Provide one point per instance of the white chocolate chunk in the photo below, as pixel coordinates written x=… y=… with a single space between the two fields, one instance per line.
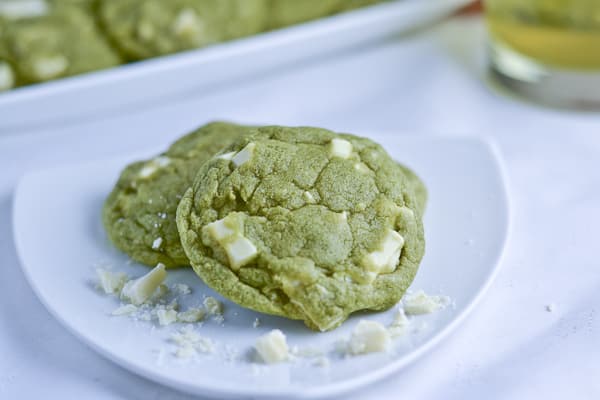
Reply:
x=213 y=306
x=7 y=76
x=162 y=161
x=125 y=309
x=227 y=156
x=421 y=303
x=362 y=168
x=50 y=67
x=191 y=315
x=386 y=258
x=341 y=148
x=272 y=347
x=187 y=23
x=156 y=243
x=138 y=291
x=147 y=170
x=110 y=282
x=181 y=288
x=166 y=316
x=154 y=165
x=159 y=293
x=227 y=232
x=369 y=337
x=244 y=155
x=240 y=252
x=15 y=9
x=308 y=197
x=189 y=342
x=220 y=229
x=399 y=325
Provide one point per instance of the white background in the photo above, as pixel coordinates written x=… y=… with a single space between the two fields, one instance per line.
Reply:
x=429 y=82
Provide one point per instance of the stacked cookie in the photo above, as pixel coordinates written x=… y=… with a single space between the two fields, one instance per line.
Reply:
x=298 y=222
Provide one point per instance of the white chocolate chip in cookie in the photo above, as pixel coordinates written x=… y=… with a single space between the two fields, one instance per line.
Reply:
x=240 y=251
x=386 y=257
x=187 y=24
x=50 y=67
x=340 y=148
x=244 y=155
x=7 y=76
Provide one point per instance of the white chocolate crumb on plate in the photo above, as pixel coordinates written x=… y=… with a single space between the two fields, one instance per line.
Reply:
x=110 y=282
x=125 y=309
x=166 y=316
x=421 y=303
x=368 y=337
x=181 y=289
x=272 y=347
x=138 y=291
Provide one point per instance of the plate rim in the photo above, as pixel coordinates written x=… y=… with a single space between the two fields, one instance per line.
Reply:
x=325 y=389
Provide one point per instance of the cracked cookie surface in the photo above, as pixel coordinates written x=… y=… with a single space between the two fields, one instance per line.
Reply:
x=148 y=28
x=303 y=223
x=139 y=214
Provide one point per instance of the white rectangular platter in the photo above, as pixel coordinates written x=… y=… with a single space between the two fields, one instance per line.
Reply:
x=202 y=70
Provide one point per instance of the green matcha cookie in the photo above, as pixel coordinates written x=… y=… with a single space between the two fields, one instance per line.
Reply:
x=49 y=42
x=303 y=223
x=283 y=13
x=149 y=28
x=139 y=214
x=289 y=12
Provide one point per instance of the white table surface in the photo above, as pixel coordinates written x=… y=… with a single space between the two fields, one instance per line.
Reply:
x=430 y=82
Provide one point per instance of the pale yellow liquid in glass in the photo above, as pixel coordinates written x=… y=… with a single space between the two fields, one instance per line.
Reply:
x=560 y=33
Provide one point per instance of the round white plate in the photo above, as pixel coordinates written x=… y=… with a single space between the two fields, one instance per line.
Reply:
x=59 y=238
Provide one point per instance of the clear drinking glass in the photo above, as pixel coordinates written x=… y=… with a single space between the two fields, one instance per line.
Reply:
x=547 y=50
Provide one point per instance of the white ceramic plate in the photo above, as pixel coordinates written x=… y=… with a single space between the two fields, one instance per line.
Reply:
x=200 y=70
x=59 y=239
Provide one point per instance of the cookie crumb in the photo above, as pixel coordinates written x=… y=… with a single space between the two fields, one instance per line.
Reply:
x=421 y=303
x=181 y=289
x=272 y=347
x=213 y=306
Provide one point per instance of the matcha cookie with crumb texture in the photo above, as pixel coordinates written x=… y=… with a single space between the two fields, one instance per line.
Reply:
x=147 y=28
x=52 y=40
x=139 y=214
x=303 y=223
x=283 y=13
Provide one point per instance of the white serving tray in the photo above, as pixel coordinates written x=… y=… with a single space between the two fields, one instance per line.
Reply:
x=131 y=85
